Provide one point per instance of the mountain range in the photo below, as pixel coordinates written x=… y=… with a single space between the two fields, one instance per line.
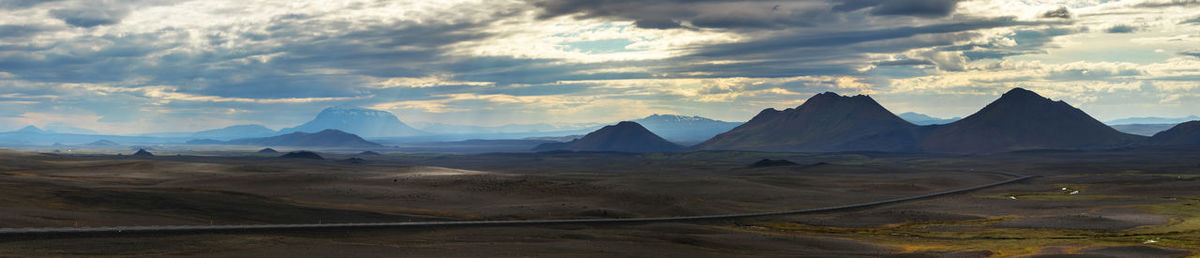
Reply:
x=685 y=129
x=1153 y=120
x=324 y=138
x=1019 y=120
x=1187 y=133
x=359 y=121
x=824 y=123
x=922 y=119
x=625 y=136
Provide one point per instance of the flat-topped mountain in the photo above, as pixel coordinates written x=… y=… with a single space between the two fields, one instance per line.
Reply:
x=360 y=121
x=623 y=137
x=824 y=123
x=1024 y=120
x=1187 y=133
x=325 y=138
x=677 y=128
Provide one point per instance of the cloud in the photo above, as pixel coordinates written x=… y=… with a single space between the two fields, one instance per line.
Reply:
x=1191 y=52
x=92 y=16
x=1121 y=28
x=1191 y=21
x=923 y=8
x=1061 y=13
x=22 y=4
x=1167 y=3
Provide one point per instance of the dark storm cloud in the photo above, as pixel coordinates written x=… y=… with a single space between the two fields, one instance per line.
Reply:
x=1061 y=13
x=1192 y=52
x=850 y=37
x=924 y=8
x=1121 y=28
x=88 y=17
x=760 y=14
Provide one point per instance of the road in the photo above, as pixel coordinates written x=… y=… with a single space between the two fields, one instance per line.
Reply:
x=277 y=227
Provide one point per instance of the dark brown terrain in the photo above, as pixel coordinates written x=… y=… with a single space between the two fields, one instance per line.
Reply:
x=1135 y=202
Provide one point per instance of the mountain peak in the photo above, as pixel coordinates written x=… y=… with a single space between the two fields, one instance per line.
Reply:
x=30 y=129
x=1022 y=94
x=626 y=136
x=357 y=120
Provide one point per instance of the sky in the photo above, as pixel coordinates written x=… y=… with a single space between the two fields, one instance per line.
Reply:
x=136 y=66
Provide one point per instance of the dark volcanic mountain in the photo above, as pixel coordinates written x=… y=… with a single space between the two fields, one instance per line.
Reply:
x=826 y=122
x=326 y=138
x=1183 y=134
x=684 y=129
x=360 y=121
x=1024 y=120
x=622 y=137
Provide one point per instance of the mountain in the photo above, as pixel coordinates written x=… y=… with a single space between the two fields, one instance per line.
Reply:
x=30 y=129
x=1152 y=120
x=1187 y=133
x=623 y=137
x=826 y=122
x=102 y=143
x=1142 y=129
x=325 y=138
x=683 y=129
x=1024 y=120
x=235 y=132
x=58 y=127
x=922 y=119
x=359 y=121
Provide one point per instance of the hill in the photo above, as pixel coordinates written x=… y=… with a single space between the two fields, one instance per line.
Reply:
x=1187 y=133
x=326 y=138
x=235 y=132
x=685 y=129
x=826 y=122
x=623 y=137
x=360 y=121
x=922 y=119
x=1023 y=120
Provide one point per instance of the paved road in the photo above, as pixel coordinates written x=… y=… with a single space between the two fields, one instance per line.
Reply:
x=269 y=227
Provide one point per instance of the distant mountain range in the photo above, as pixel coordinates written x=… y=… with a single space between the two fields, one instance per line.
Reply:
x=440 y=128
x=1152 y=120
x=826 y=122
x=685 y=129
x=622 y=137
x=922 y=119
x=324 y=138
x=1142 y=129
x=235 y=132
x=360 y=121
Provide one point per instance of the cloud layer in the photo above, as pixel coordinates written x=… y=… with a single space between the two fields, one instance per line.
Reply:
x=127 y=66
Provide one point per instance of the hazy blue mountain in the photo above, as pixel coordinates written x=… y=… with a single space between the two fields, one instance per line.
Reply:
x=103 y=143
x=235 y=132
x=1142 y=129
x=30 y=129
x=1024 y=120
x=826 y=122
x=1187 y=133
x=65 y=128
x=1152 y=120
x=623 y=137
x=324 y=138
x=360 y=121
x=499 y=131
x=685 y=129
x=922 y=119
